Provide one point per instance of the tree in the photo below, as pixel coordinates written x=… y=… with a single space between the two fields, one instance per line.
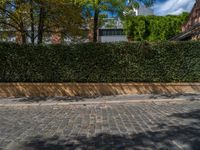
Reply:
x=32 y=21
x=35 y=18
x=65 y=17
x=42 y=18
x=97 y=8
x=12 y=16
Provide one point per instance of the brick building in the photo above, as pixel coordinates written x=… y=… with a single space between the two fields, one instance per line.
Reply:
x=191 y=29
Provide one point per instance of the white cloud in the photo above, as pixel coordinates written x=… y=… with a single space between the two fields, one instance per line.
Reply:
x=173 y=7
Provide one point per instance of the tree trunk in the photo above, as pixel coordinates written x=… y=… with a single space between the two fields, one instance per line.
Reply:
x=22 y=29
x=96 y=22
x=23 y=34
x=41 y=23
x=32 y=23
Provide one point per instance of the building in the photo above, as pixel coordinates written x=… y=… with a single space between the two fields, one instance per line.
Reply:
x=191 y=29
x=144 y=11
x=112 y=29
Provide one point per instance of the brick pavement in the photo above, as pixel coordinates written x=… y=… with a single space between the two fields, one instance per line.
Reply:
x=140 y=126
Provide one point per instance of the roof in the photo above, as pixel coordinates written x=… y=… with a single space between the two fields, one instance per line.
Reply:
x=193 y=9
x=112 y=23
x=189 y=33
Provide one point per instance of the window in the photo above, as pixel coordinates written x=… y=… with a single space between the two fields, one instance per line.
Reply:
x=111 y=32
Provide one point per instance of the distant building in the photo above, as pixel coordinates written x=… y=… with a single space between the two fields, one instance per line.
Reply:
x=191 y=29
x=144 y=11
x=113 y=31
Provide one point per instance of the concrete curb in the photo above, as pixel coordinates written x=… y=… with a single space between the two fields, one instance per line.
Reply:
x=93 y=102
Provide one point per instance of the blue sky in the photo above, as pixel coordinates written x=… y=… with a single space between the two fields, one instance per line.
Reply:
x=174 y=7
x=170 y=7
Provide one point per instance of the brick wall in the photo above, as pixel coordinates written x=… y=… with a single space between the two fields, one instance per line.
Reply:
x=194 y=17
x=94 y=89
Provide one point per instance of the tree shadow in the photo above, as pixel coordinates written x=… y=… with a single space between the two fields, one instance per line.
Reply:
x=165 y=137
x=37 y=99
x=54 y=99
x=93 y=89
x=186 y=96
x=195 y=114
x=188 y=137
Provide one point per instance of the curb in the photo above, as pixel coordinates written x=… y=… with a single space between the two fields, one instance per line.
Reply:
x=93 y=102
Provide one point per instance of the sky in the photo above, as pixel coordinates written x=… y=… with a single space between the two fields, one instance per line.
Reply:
x=173 y=7
x=170 y=7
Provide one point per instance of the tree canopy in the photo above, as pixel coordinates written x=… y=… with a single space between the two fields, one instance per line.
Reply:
x=35 y=18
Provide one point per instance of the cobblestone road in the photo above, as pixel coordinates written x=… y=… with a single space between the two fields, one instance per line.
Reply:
x=139 y=126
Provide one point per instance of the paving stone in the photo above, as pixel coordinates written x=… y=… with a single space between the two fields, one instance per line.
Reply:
x=128 y=126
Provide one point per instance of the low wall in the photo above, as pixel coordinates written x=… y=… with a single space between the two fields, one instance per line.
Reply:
x=94 y=89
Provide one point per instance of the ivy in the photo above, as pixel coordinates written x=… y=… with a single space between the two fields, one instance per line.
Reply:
x=153 y=28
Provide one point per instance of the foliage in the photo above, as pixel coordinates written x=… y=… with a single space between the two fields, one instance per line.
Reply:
x=153 y=28
x=109 y=62
x=96 y=9
x=35 y=18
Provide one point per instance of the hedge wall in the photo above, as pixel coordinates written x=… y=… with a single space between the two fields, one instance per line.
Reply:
x=119 y=62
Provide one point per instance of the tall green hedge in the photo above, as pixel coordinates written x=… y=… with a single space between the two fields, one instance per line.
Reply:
x=119 y=62
x=154 y=28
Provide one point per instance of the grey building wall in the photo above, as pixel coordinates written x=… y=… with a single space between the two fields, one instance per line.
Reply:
x=145 y=11
x=116 y=38
x=116 y=24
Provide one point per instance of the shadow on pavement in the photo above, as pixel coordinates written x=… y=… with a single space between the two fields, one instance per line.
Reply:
x=190 y=97
x=167 y=137
x=190 y=115
x=186 y=96
x=51 y=99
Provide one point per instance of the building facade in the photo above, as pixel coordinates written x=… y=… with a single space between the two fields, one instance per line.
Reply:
x=191 y=29
x=113 y=31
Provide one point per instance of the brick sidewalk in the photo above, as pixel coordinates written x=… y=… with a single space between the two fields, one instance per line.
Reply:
x=140 y=126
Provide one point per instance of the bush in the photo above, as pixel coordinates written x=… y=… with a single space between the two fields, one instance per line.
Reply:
x=110 y=62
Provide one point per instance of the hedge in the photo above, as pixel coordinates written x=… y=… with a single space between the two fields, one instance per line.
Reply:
x=108 y=62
